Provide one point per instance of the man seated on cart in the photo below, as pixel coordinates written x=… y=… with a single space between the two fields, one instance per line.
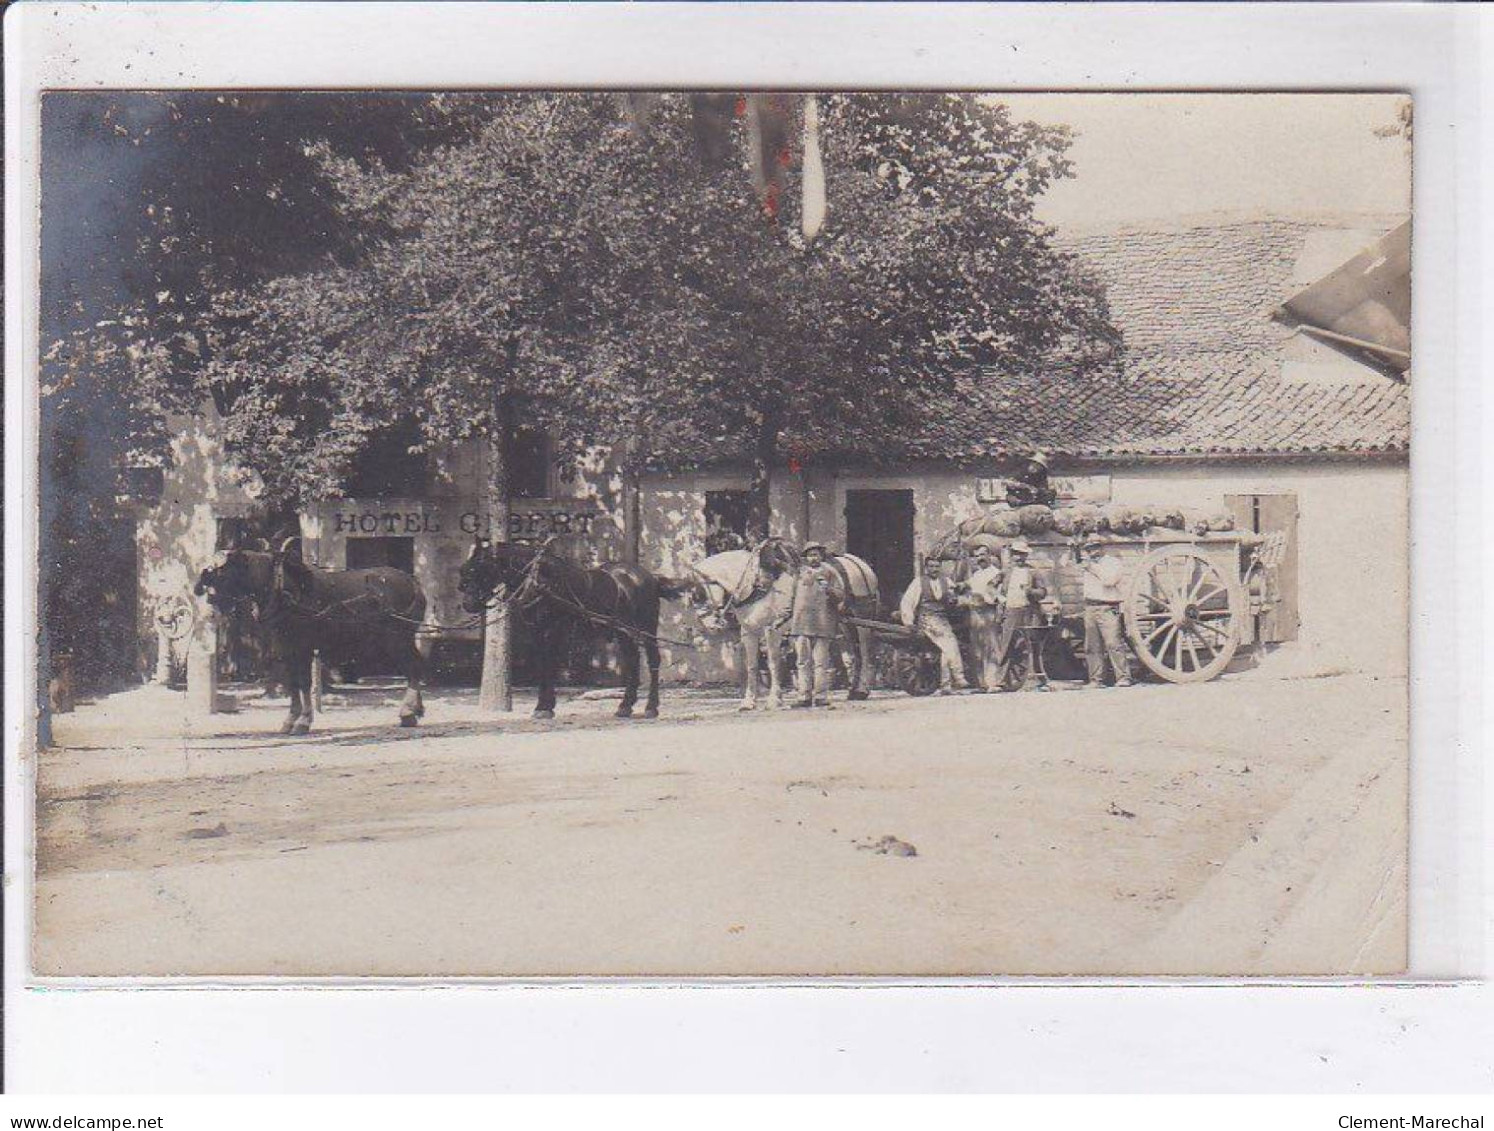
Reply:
x=1030 y=485
x=925 y=606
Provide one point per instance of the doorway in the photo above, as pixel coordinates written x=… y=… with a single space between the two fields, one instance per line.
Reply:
x=879 y=528
x=367 y=553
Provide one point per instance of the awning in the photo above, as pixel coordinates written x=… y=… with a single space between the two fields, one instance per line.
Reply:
x=1362 y=308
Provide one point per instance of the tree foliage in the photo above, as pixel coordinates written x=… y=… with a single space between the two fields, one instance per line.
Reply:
x=612 y=270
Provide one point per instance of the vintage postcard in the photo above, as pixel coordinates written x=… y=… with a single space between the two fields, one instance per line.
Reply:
x=758 y=533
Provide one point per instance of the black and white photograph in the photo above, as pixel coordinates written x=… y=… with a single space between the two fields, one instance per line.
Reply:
x=763 y=532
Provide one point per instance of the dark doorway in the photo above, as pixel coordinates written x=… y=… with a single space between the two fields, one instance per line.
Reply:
x=366 y=553
x=879 y=528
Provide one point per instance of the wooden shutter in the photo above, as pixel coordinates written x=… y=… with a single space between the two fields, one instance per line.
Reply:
x=1266 y=514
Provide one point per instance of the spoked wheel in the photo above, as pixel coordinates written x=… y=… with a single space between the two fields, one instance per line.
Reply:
x=915 y=671
x=1184 y=614
x=1019 y=664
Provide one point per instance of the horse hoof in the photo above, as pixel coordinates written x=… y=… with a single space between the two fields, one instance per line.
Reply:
x=288 y=726
x=538 y=714
x=857 y=696
x=301 y=728
x=651 y=713
x=408 y=720
x=746 y=705
x=625 y=712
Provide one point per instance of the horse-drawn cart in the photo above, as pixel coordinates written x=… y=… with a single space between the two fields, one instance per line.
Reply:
x=1191 y=599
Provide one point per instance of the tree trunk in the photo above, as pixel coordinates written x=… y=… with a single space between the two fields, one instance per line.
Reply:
x=759 y=497
x=496 y=692
x=632 y=507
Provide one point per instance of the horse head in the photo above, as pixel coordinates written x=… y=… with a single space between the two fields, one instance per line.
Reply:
x=775 y=557
x=235 y=579
x=489 y=568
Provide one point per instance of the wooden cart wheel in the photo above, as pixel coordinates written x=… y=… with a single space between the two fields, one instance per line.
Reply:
x=1019 y=665
x=913 y=672
x=1184 y=614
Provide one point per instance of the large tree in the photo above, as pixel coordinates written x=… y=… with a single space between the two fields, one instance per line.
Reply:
x=153 y=204
x=633 y=272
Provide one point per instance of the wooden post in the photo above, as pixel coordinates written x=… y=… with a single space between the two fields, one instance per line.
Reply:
x=496 y=692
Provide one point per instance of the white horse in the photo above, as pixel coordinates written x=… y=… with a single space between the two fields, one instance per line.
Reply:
x=736 y=585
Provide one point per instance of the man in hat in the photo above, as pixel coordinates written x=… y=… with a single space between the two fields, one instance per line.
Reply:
x=1103 y=573
x=1030 y=485
x=983 y=594
x=925 y=605
x=814 y=623
x=1022 y=594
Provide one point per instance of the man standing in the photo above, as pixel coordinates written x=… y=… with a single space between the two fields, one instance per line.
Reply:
x=814 y=623
x=1021 y=599
x=984 y=595
x=1030 y=486
x=925 y=605
x=1103 y=573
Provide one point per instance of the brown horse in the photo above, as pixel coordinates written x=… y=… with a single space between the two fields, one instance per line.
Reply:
x=339 y=613
x=548 y=591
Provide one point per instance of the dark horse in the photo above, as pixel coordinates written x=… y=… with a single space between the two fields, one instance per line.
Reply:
x=548 y=590
x=303 y=609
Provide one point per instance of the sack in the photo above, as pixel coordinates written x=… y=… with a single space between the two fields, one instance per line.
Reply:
x=1003 y=524
x=1086 y=518
x=1063 y=522
x=1035 y=519
x=1122 y=519
x=989 y=541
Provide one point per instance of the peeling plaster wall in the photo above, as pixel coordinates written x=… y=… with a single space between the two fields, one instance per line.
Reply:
x=176 y=539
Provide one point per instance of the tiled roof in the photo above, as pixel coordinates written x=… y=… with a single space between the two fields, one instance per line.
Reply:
x=1203 y=370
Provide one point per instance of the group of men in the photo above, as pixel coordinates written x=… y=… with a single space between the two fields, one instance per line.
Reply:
x=1003 y=603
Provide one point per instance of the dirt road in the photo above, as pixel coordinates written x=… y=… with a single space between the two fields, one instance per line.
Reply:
x=1243 y=826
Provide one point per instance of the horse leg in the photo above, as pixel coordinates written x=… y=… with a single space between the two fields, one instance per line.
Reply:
x=774 y=638
x=861 y=663
x=287 y=666
x=750 y=639
x=413 y=705
x=545 y=648
x=301 y=680
x=629 y=654
x=651 y=654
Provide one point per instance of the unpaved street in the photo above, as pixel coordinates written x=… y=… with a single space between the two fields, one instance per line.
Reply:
x=1242 y=826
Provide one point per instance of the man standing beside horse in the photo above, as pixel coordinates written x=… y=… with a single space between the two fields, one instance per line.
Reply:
x=814 y=624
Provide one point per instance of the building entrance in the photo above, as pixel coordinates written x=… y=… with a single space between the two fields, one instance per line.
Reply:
x=879 y=528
